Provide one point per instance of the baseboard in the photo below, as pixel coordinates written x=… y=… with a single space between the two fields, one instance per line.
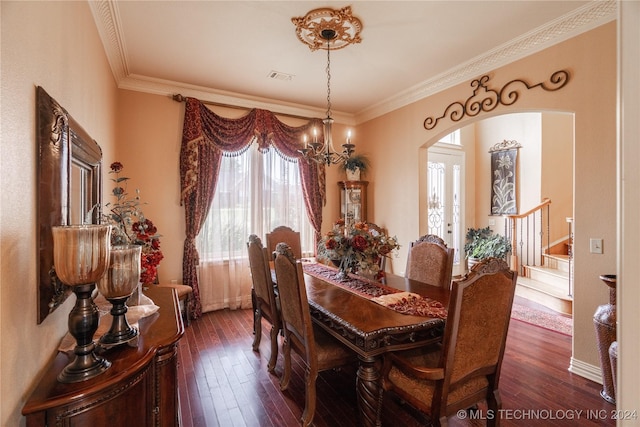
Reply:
x=586 y=370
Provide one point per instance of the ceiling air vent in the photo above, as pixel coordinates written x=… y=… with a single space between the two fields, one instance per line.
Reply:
x=277 y=75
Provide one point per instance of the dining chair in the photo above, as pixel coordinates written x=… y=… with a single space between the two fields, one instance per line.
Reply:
x=376 y=230
x=464 y=369
x=430 y=261
x=286 y=235
x=264 y=298
x=318 y=350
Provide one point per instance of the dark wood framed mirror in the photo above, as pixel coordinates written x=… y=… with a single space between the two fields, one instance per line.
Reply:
x=69 y=186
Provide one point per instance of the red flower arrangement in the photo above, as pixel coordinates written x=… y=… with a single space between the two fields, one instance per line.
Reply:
x=131 y=227
x=356 y=249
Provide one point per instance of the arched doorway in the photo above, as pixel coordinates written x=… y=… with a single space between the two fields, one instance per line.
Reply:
x=545 y=169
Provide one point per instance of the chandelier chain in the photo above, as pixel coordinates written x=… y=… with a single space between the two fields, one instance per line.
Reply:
x=328 y=78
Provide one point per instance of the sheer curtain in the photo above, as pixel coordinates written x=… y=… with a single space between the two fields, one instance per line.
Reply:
x=256 y=192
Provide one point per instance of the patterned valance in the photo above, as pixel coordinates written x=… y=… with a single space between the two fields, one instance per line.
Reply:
x=206 y=138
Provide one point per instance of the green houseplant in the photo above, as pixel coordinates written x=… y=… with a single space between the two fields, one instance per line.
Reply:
x=356 y=164
x=483 y=243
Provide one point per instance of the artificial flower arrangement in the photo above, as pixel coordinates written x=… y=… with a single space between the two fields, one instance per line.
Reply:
x=131 y=227
x=356 y=249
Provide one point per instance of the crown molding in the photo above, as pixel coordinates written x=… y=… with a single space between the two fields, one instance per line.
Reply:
x=169 y=88
x=591 y=15
x=107 y=18
x=586 y=18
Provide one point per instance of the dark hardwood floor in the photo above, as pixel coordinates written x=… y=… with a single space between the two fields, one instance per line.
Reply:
x=223 y=382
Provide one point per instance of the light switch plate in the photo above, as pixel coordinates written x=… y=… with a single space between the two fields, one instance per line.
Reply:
x=595 y=246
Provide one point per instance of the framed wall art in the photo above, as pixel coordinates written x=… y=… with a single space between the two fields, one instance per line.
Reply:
x=504 y=156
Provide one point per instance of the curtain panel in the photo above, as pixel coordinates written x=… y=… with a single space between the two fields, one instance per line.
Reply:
x=206 y=137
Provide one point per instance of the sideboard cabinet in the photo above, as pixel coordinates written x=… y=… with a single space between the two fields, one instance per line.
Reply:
x=353 y=201
x=139 y=389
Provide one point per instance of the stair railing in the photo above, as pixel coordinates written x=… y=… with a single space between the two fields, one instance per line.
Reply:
x=526 y=232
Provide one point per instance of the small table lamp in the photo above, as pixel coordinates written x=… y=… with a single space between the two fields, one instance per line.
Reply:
x=81 y=258
x=116 y=286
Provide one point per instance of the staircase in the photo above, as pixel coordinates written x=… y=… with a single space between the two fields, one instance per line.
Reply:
x=544 y=268
x=548 y=284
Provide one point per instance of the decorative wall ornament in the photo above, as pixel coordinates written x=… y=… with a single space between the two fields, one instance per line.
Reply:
x=505 y=145
x=346 y=27
x=504 y=156
x=485 y=99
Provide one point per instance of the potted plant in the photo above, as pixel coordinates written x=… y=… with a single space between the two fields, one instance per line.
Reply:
x=482 y=243
x=354 y=165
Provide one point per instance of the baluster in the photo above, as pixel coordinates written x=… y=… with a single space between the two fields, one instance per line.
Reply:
x=522 y=241
x=530 y=238
x=529 y=233
x=535 y=257
x=548 y=228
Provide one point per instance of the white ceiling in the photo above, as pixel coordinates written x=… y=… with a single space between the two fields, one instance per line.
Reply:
x=223 y=51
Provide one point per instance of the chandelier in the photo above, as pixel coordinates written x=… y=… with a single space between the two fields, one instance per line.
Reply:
x=338 y=28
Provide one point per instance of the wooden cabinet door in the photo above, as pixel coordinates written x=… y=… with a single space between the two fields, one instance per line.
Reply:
x=167 y=406
x=128 y=404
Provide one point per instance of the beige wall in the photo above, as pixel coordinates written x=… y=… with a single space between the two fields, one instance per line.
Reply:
x=394 y=141
x=54 y=45
x=149 y=136
x=557 y=170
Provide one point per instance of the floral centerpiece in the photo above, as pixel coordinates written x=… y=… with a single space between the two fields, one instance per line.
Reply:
x=356 y=249
x=131 y=227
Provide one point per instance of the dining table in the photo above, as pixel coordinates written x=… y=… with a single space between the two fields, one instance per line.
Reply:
x=347 y=309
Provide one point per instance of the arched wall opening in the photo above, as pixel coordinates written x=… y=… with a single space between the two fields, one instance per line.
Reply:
x=544 y=170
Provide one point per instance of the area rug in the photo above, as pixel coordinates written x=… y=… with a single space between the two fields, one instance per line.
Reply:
x=551 y=321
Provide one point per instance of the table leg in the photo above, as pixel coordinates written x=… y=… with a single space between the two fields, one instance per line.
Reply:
x=369 y=392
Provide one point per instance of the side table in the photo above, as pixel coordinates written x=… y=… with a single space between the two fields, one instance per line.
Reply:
x=140 y=388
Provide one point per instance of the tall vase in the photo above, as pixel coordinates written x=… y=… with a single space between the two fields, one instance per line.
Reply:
x=604 y=321
x=81 y=257
x=121 y=278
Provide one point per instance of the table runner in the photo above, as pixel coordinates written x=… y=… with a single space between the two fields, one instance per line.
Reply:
x=395 y=299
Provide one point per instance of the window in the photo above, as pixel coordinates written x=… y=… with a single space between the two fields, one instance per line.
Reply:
x=452 y=138
x=255 y=193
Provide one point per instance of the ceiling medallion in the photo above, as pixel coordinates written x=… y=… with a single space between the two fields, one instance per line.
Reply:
x=346 y=27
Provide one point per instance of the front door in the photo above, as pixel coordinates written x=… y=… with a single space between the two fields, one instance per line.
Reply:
x=445 y=183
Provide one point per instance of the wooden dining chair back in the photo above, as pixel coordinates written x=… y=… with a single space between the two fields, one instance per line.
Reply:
x=376 y=230
x=465 y=368
x=430 y=261
x=265 y=300
x=286 y=235
x=319 y=350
